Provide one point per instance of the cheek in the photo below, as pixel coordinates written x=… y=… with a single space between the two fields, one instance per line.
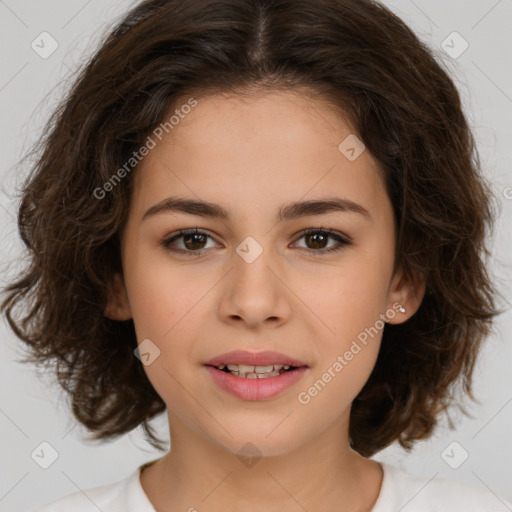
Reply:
x=349 y=333
x=350 y=300
x=168 y=316
x=163 y=303
x=332 y=389
x=347 y=340
x=164 y=296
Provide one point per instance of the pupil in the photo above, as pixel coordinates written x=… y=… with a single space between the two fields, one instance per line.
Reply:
x=316 y=243
x=194 y=237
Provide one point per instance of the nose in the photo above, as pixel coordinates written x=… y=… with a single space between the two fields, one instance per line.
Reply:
x=255 y=291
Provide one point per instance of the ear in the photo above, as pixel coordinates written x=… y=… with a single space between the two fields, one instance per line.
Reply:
x=406 y=293
x=118 y=307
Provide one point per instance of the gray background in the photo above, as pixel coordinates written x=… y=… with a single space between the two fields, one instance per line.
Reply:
x=33 y=411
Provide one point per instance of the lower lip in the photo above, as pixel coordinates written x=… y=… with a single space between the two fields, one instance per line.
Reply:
x=255 y=389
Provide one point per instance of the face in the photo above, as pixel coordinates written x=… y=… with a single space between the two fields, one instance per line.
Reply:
x=254 y=281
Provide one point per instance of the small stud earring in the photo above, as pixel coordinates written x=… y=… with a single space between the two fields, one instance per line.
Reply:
x=402 y=309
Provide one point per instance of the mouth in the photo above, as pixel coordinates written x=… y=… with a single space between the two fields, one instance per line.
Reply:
x=255 y=375
x=255 y=365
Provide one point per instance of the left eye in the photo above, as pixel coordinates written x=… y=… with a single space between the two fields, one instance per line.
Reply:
x=319 y=236
x=194 y=240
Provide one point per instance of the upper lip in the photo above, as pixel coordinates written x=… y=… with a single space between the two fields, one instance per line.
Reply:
x=254 y=359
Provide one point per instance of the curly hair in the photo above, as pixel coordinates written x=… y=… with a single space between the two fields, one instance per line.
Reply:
x=404 y=107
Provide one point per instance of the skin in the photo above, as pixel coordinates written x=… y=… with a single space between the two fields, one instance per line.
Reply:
x=252 y=154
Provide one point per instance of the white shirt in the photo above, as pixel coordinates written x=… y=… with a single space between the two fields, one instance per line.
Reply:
x=399 y=492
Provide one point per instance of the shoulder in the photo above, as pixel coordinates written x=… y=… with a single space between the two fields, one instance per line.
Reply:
x=125 y=495
x=408 y=493
x=108 y=498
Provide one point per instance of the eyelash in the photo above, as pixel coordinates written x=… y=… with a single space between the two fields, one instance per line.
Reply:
x=316 y=252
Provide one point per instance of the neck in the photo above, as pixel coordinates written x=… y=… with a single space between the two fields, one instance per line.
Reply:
x=324 y=474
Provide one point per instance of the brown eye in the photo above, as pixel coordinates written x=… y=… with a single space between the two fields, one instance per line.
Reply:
x=192 y=241
x=195 y=241
x=317 y=241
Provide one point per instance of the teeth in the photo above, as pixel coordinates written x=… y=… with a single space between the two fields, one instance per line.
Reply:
x=255 y=372
x=244 y=368
x=254 y=375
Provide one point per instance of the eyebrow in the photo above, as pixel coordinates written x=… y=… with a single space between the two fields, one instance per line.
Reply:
x=287 y=212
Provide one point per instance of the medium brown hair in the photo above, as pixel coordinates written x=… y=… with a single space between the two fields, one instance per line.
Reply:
x=405 y=109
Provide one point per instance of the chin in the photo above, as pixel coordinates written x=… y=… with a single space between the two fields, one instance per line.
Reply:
x=255 y=441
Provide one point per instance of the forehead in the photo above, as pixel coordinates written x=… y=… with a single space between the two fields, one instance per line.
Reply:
x=260 y=118
x=252 y=151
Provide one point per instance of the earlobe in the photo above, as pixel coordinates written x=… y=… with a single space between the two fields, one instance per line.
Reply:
x=405 y=297
x=118 y=307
